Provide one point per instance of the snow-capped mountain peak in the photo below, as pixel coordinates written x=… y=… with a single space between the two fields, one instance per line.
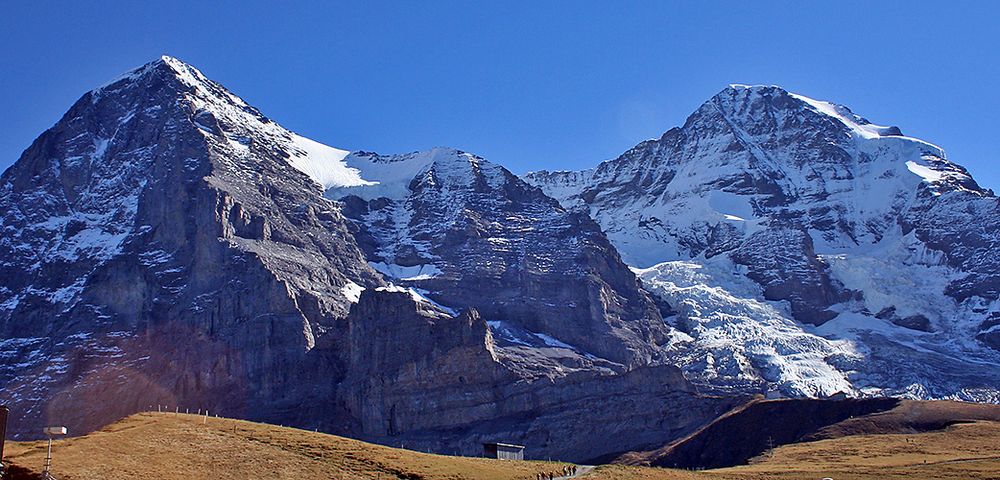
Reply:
x=222 y=115
x=161 y=69
x=837 y=112
x=810 y=201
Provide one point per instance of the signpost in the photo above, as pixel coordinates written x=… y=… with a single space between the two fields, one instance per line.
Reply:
x=50 y=432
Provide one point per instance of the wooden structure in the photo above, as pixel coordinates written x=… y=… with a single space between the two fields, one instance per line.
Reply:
x=503 y=451
x=4 y=413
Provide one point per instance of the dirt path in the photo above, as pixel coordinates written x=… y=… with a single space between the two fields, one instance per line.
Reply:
x=581 y=470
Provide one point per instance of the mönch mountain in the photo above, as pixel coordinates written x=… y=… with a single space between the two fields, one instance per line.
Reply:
x=165 y=243
x=805 y=250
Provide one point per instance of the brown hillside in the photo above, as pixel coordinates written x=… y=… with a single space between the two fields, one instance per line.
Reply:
x=182 y=447
x=911 y=416
x=154 y=446
x=966 y=451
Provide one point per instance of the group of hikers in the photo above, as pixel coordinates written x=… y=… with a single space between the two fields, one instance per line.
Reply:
x=567 y=471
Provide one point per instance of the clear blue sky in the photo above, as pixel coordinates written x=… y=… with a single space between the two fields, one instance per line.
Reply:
x=561 y=85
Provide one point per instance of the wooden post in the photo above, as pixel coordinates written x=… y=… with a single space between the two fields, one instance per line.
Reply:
x=47 y=466
x=4 y=413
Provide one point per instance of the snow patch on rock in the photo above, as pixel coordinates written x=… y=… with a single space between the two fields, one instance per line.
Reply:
x=324 y=164
x=406 y=273
x=352 y=291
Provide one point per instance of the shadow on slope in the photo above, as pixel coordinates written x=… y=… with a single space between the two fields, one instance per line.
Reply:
x=760 y=425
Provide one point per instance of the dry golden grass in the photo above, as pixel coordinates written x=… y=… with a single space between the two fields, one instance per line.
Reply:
x=169 y=447
x=181 y=447
x=964 y=451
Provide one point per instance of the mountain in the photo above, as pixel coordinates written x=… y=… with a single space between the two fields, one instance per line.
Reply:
x=473 y=235
x=164 y=243
x=159 y=247
x=801 y=248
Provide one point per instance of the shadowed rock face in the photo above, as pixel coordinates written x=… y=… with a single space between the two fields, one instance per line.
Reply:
x=783 y=261
x=166 y=244
x=423 y=378
x=406 y=354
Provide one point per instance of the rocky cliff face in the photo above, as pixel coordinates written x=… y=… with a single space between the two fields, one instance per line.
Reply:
x=166 y=244
x=428 y=379
x=158 y=248
x=473 y=235
x=874 y=237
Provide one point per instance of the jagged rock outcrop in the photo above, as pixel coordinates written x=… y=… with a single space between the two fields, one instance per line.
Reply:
x=407 y=354
x=784 y=262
